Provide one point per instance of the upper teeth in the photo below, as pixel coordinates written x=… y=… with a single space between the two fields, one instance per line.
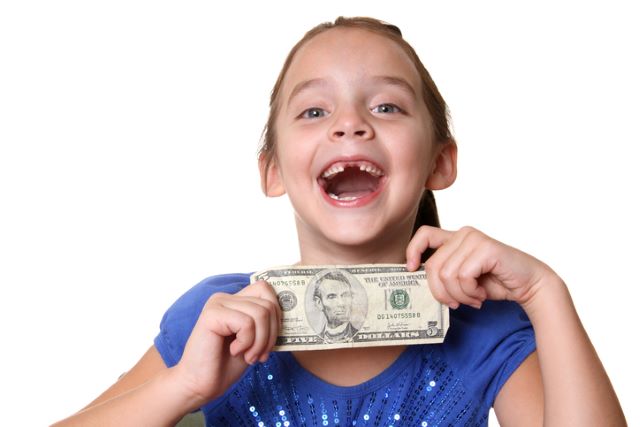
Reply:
x=333 y=170
x=371 y=169
x=336 y=169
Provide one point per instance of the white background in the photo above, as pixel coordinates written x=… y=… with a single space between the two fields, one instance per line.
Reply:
x=128 y=138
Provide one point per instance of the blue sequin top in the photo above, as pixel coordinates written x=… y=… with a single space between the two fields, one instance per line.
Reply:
x=453 y=383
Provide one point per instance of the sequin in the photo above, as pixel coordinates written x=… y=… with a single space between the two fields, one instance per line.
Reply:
x=408 y=398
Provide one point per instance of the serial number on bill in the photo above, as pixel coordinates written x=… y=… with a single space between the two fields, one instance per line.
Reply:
x=402 y=315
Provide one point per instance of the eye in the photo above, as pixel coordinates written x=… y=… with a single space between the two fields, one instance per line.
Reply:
x=313 y=113
x=386 y=108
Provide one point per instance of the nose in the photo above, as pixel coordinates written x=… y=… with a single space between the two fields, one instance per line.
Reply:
x=350 y=124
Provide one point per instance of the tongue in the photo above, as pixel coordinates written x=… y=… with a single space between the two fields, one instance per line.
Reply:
x=352 y=183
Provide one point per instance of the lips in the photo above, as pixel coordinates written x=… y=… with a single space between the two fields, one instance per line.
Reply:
x=351 y=182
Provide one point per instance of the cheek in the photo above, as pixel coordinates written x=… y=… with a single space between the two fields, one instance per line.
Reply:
x=412 y=150
x=423 y=142
x=287 y=160
x=295 y=149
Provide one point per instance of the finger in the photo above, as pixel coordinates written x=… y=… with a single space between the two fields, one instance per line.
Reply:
x=276 y=321
x=274 y=330
x=482 y=264
x=454 y=288
x=271 y=326
x=462 y=283
x=226 y=322
x=263 y=290
x=473 y=290
x=466 y=291
x=425 y=237
x=266 y=291
x=439 y=292
x=434 y=266
x=470 y=274
x=261 y=312
x=450 y=246
x=438 y=286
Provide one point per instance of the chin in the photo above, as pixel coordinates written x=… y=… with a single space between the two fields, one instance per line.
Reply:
x=354 y=236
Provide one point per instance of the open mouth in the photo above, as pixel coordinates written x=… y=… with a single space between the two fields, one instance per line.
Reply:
x=350 y=181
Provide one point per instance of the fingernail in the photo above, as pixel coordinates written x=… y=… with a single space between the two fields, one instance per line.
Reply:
x=454 y=305
x=477 y=305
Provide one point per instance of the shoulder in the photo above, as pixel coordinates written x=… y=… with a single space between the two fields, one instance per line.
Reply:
x=494 y=318
x=486 y=346
x=198 y=295
x=180 y=318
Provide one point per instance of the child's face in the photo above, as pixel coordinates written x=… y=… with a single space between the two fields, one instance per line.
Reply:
x=354 y=139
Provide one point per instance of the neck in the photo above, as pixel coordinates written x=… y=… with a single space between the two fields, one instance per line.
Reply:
x=314 y=251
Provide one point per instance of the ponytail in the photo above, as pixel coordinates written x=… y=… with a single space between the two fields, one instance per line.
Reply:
x=427 y=215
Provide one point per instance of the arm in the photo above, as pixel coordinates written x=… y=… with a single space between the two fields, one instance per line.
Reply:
x=564 y=383
x=150 y=365
x=520 y=402
x=232 y=332
x=575 y=385
x=146 y=395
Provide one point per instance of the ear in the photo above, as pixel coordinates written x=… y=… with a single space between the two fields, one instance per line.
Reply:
x=270 y=177
x=445 y=168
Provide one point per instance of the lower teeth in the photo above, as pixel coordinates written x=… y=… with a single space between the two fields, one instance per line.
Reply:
x=342 y=199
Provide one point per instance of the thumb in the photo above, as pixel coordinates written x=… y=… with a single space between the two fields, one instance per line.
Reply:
x=259 y=289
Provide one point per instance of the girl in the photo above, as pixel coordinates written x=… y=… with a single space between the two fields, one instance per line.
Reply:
x=358 y=137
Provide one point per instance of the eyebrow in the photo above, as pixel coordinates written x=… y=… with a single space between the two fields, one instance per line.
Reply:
x=396 y=81
x=386 y=80
x=304 y=85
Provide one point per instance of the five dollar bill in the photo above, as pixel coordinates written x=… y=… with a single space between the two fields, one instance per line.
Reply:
x=367 y=305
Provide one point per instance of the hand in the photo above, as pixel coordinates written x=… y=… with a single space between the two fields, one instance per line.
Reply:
x=469 y=267
x=232 y=332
